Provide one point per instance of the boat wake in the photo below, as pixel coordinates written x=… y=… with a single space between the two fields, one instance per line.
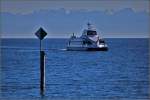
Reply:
x=55 y=49
x=31 y=49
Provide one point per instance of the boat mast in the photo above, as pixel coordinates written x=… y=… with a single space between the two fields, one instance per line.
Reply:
x=89 y=25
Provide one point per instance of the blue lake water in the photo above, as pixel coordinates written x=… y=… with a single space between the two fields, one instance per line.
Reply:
x=120 y=73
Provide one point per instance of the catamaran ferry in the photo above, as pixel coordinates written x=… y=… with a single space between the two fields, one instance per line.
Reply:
x=88 y=41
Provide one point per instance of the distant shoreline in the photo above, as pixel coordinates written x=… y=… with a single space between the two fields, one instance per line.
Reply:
x=104 y=38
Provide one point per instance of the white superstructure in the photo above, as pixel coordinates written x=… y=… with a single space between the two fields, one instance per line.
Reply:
x=89 y=40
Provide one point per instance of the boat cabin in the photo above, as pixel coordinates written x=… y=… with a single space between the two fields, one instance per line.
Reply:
x=89 y=32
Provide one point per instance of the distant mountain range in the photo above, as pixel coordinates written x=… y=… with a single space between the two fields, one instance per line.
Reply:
x=62 y=23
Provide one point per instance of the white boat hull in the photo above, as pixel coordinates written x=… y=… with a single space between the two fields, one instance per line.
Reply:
x=87 y=49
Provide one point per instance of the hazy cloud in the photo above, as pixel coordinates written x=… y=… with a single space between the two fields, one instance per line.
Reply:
x=110 y=6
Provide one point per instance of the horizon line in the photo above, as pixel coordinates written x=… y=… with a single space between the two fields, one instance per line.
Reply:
x=60 y=37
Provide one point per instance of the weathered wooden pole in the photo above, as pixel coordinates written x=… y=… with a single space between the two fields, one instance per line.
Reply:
x=41 y=34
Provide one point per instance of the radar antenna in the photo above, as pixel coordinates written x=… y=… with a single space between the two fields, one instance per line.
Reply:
x=89 y=25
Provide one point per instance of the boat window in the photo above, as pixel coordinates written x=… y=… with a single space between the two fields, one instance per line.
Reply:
x=91 y=33
x=87 y=42
x=84 y=42
x=101 y=41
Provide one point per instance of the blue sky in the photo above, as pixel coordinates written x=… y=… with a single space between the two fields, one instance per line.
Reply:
x=60 y=18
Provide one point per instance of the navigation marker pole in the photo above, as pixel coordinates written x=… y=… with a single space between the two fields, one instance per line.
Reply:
x=41 y=34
